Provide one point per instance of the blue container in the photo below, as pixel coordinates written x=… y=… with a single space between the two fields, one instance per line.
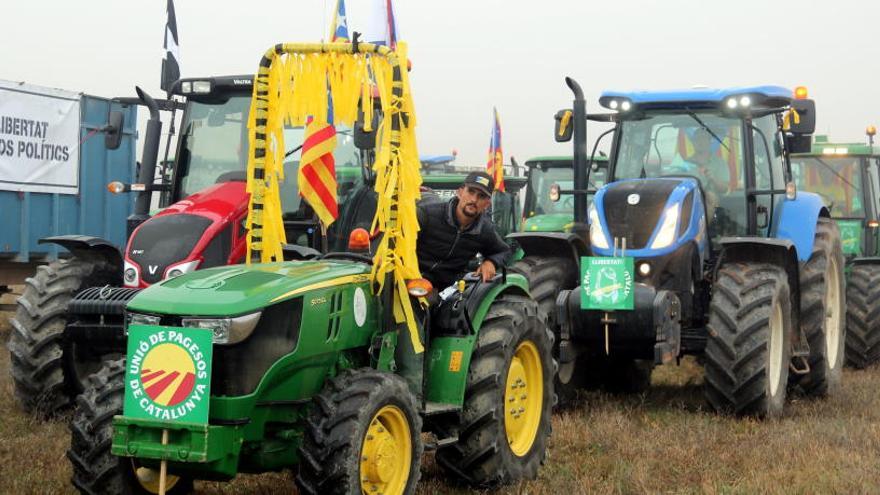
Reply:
x=27 y=217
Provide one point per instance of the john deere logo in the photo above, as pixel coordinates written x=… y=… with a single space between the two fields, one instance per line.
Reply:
x=606 y=283
x=168 y=373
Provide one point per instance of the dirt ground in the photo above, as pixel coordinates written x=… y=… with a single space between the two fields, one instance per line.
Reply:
x=662 y=441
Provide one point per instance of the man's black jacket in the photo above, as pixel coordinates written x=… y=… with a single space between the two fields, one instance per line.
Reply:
x=444 y=250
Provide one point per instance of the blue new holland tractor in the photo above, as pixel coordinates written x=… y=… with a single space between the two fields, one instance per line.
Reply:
x=701 y=244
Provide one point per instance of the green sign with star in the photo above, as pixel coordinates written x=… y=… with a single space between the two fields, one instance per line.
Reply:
x=606 y=283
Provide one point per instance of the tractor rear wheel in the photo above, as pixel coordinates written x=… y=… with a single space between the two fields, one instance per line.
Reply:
x=863 y=316
x=748 y=348
x=95 y=469
x=547 y=276
x=823 y=312
x=363 y=436
x=47 y=374
x=505 y=421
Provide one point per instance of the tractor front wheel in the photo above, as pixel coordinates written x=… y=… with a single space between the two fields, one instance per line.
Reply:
x=505 y=421
x=748 y=348
x=823 y=312
x=363 y=436
x=863 y=316
x=95 y=469
x=46 y=373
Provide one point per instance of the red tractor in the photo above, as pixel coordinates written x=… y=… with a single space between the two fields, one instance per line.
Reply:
x=71 y=315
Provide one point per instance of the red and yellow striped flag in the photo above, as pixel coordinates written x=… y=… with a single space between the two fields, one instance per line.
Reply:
x=317 y=171
x=494 y=165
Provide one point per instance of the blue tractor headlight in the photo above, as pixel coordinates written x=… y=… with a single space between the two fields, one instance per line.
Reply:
x=597 y=235
x=668 y=227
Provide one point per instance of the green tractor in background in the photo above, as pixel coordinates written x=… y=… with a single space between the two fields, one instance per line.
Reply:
x=846 y=176
x=298 y=365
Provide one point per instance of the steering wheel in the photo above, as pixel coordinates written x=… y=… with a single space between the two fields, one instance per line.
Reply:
x=345 y=255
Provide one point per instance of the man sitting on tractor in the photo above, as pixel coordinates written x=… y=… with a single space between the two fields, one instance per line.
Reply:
x=453 y=232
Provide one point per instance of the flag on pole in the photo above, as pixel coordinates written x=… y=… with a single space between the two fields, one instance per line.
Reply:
x=339 y=27
x=317 y=171
x=494 y=165
x=382 y=29
x=171 y=62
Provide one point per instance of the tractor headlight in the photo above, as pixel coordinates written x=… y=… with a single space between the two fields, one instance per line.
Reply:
x=140 y=319
x=226 y=330
x=130 y=275
x=181 y=268
x=668 y=228
x=597 y=236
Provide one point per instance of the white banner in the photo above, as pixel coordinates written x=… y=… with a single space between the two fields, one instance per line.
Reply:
x=39 y=139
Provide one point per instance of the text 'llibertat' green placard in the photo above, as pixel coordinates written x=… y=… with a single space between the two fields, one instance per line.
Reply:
x=168 y=373
x=606 y=283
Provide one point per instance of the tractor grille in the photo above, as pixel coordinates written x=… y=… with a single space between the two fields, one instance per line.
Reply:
x=105 y=300
x=636 y=222
x=164 y=240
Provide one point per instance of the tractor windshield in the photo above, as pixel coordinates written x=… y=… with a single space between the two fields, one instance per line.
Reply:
x=836 y=179
x=215 y=149
x=541 y=178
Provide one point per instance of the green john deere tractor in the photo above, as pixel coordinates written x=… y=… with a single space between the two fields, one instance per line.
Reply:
x=298 y=365
x=846 y=176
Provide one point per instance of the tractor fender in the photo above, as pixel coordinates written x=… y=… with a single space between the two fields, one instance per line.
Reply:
x=88 y=248
x=558 y=244
x=796 y=221
x=450 y=355
x=780 y=252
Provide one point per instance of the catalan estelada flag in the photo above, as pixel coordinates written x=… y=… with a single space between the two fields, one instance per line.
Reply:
x=339 y=27
x=494 y=165
x=317 y=171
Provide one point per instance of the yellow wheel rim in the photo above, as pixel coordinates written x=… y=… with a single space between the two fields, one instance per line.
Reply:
x=386 y=455
x=523 y=398
x=149 y=478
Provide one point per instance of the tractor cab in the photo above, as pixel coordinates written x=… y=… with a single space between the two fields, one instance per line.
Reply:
x=545 y=210
x=205 y=200
x=730 y=144
x=845 y=175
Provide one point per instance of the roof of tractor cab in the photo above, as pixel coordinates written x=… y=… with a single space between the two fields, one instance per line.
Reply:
x=695 y=98
x=220 y=86
x=822 y=146
x=559 y=160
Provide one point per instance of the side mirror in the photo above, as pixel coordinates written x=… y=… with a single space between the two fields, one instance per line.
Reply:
x=563 y=129
x=113 y=130
x=799 y=143
x=805 y=120
x=364 y=140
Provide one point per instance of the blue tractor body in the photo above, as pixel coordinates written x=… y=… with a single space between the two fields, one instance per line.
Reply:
x=700 y=195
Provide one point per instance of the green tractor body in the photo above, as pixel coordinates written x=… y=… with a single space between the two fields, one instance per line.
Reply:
x=540 y=212
x=302 y=365
x=846 y=176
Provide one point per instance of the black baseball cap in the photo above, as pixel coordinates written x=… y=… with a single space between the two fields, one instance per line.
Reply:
x=481 y=181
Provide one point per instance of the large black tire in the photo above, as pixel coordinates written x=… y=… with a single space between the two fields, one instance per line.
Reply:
x=823 y=312
x=46 y=375
x=863 y=316
x=353 y=409
x=498 y=442
x=748 y=349
x=95 y=470
x=547 y=276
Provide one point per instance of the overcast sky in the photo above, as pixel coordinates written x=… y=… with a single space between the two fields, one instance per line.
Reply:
x=470 y=55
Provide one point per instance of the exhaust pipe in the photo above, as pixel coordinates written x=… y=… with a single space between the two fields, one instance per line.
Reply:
x=148 y=161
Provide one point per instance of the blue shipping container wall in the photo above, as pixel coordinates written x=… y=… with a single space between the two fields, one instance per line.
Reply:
x=26 y=217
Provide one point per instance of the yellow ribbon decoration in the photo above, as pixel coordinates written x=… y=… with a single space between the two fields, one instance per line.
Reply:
x=792 y=114
x=291 y=86
x=563 y=122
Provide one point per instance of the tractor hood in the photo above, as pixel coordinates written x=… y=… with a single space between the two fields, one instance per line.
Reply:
x=549 y=222
x=240 y=289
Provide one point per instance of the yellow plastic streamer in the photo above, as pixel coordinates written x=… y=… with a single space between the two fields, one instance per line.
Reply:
x=290 y=87
x=791 y=115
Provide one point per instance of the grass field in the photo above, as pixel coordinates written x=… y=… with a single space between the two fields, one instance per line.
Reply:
x=664 y=441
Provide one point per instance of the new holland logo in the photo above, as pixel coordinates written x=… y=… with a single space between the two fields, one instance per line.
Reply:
x=168 y=373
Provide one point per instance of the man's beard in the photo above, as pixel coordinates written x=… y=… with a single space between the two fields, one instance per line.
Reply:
x=469 y=213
